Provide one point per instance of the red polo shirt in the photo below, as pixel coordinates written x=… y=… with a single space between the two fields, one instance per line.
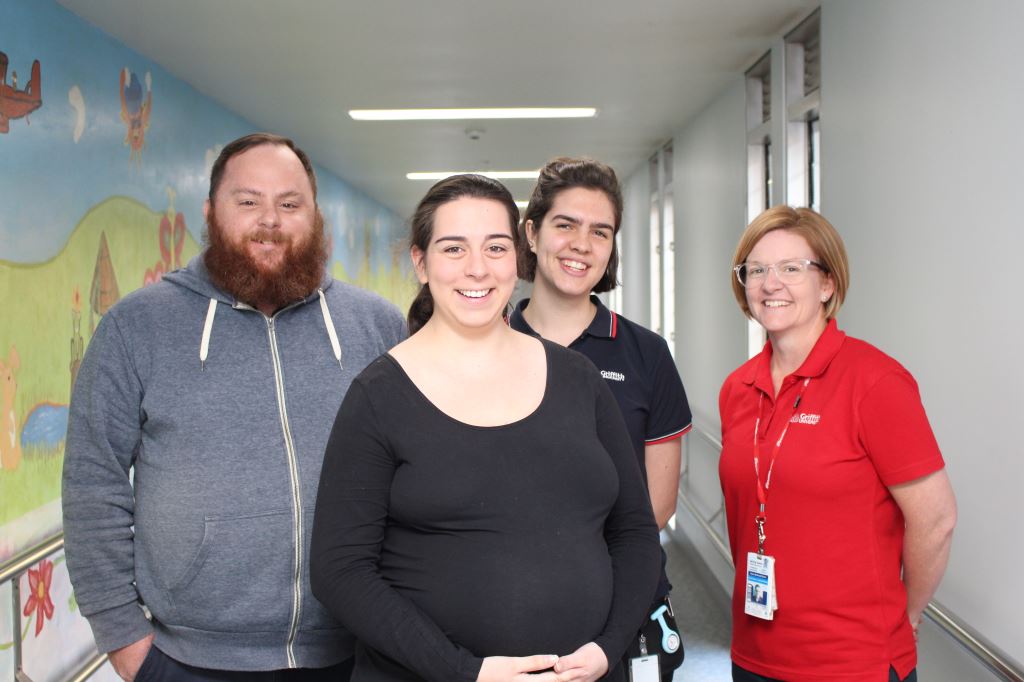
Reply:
x=835 y=531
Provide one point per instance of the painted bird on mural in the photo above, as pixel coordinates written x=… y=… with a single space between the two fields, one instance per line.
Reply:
x=135 y=110
x=15 y=103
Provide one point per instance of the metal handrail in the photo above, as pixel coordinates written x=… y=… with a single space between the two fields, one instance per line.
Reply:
x=987 y=653
x=712 y=534
x=16 y=565
x=705 y=523
x=12 y=570
x=708 y=437
x=974 y=643
x=90 y=668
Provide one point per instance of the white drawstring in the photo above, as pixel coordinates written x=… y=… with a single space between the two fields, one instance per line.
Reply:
x=204 y=346
x=330 y=327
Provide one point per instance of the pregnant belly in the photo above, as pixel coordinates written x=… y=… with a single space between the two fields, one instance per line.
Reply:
x=518 y=599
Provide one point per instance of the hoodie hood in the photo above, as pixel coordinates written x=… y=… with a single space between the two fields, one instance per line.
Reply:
x=195 y=277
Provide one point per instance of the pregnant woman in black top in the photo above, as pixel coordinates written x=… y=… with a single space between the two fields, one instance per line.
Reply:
x=481 y=514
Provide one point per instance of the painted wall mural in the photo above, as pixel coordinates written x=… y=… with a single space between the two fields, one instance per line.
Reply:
x=104 y=165
x=135 y=110
x=16 y=103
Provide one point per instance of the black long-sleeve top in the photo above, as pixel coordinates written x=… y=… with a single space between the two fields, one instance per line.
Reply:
x=439 y=543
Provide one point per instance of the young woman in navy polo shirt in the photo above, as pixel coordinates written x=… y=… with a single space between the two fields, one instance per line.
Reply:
x=839 y=509
x=568 y=251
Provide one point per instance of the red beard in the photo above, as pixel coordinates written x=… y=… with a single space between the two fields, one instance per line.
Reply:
x=234 y=270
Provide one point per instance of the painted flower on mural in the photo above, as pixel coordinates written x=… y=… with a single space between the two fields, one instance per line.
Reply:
x=39 y=601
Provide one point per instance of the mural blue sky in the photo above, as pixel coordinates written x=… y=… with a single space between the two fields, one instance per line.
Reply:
x=49 y=160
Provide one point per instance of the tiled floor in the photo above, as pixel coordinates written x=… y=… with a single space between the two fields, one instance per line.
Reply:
x=702 y=612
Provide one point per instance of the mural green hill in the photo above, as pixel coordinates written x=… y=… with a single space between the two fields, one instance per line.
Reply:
x=116 y=245
x=41 y=301
x=39 y=298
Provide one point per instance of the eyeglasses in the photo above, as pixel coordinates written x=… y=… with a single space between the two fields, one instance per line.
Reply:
x=792 y=271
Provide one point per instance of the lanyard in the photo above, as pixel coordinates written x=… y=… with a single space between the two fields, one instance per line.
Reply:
x=762 y=490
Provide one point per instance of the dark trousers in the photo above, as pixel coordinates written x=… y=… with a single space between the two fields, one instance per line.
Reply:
x=159 y=667
x=741 y=675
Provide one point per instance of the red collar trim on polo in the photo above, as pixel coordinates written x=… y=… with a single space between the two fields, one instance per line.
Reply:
x=825 y=348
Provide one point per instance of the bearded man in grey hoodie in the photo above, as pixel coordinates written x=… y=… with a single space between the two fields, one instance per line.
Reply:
x=218 y=386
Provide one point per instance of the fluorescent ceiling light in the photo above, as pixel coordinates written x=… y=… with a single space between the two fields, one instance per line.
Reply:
x=522 y=204
x=497 y=175
x=474 y=114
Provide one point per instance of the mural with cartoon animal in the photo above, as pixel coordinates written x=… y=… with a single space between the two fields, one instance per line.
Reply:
x=135 y=110
x=95 y=230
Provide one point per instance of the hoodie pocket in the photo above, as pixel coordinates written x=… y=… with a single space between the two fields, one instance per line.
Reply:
x=242 y=576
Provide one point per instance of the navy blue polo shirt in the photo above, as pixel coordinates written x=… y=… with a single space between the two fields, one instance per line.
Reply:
x=638 y=367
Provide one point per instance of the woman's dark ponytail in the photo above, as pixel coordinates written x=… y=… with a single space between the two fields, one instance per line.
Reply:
x=420 y=310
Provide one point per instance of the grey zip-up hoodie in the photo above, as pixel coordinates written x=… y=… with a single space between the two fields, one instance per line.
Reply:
x=224 y=414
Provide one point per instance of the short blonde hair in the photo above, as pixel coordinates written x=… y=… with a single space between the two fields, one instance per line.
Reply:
x=823 y=239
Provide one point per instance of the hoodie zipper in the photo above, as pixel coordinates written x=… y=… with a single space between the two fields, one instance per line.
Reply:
x=293 y=473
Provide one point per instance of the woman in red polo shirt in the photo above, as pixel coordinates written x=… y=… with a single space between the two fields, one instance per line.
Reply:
x=839 y=509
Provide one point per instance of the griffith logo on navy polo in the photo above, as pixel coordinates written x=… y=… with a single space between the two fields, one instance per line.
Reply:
x=613 y=376
x=805 y=418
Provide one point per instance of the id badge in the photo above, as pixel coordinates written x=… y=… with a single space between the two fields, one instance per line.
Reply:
x=760 y=599
x=644 y=669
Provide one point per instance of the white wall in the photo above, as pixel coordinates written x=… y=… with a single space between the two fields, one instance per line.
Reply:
x=710 y=190
x=710 y=193
x=921 y=171
x=711 y=333
x=922 y=104
x=635 y=246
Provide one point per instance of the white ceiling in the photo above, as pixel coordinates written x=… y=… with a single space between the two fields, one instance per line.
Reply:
x=297 y=67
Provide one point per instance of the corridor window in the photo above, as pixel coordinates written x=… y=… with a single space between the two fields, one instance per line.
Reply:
x=759 y=160
x=814 y=163
x=663 y=270
x=759 y=142
x=614 y=301
x=655 y=253
x=784 y=129
x=668 y=271
x=803 y=100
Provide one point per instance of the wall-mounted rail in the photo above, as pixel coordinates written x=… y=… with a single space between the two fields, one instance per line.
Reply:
x=11 y=571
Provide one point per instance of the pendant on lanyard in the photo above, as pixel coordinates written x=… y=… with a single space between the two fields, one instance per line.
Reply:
x=762 y=490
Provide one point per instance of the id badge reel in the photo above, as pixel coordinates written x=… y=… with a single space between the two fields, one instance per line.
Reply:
x=644 y=668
